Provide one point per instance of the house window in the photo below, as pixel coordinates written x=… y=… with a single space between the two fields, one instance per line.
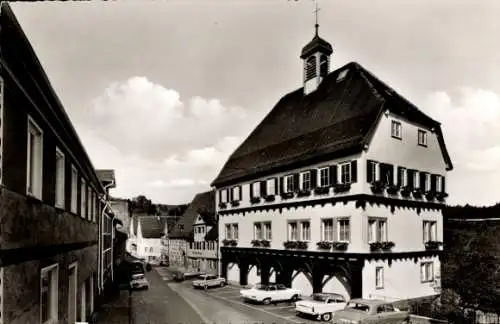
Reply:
x=305 y=231
x=305 y=180
x=293 y=233
x=235 y=231
x=310 y=67
x=416 y=179
x=429 y=230
x=35 y=160
x=426 y=272
x=83 y=201
x=342 y=74
x=59 y=192
x=402 y=177
x=345 y=172
x=74 y=190
x=327 y=229
x=422 y=137
x=439 y=183
x=377 y=230
x=373 y=172
x=271 y=187
x=257 y=231
x=323 y=66
x=396 y=129
x=267 y=231
x=223 y=196
x=379 y=278
x=289 y=183
x=89 y=203
x=236 y=194
x=231 y=231
x=344 y=233
x=49 y=294
x=96 y=206
x=427 y=181
x=324 y=177
x=256 y=189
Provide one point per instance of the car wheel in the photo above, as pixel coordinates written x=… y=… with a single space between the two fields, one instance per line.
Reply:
x=266 y=301
x=295 y=298
x=222 y=284
x=407 y=321
x=205 y=287
x=327 y=317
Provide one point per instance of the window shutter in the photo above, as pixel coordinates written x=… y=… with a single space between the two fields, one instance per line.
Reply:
x=333 y=175
x=422 y=180
x=314 y=178
x=230 y=194
x=282 y=185
x=434 y=179
x=263 y=188
x=220 y=196
x=369 y=172
x=354 y=171
x=296 y=180
x=400 y=176
x=240 y=193
x=275 y=186
x=252 y=184
x=389 y=174
x=410 y=176
x=443 y=187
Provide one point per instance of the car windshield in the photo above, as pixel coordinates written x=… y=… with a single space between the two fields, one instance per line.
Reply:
x=203 y=277
x=358 y=306
x=138 y=276
x=262 y=287
x=319 y=297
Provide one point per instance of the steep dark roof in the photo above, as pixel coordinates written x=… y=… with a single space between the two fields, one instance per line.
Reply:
x=212 y=234
x=203 y=204
x=152 y=226
x=335 y=120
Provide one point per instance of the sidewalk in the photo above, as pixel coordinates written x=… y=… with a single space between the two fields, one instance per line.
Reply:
x=115 y=311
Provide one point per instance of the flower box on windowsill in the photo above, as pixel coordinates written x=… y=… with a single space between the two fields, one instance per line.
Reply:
x=377 y=187
x=381 y=246
x=287 y=195
x=222 y=205
x=304 y=193
x=255 y=243
x=433 y=245
x=406 y=191
x=269 y=198
x=227 y=242
x=340 y=246
x=235 y=203
x=417 y=193
x=322 y=190
x=441 y=196
x=430 y=195
x=255 y=200
x=299 y=245
x=265 y=243
x=392 y=190
x=324 y=245
x=342 y=187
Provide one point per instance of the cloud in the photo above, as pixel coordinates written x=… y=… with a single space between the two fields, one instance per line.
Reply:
x=470 y=120
x=159 y=145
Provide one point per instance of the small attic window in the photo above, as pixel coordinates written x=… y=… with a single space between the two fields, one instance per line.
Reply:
x=323 y=66
x=342 y=74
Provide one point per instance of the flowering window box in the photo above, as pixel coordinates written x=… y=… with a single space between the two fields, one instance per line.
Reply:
x=417 y=193
x=324 y=245
x=287 y=195
x=304 y=193
x=227 y=242
x=265 y=243
x=340 y=246
x=269 y=198
x=433 y=245
x=322 y=190
x=342 y=187
x=300 y=245
x=430 y=195
x=406 y=191
x=385 y=246
x=255 y=200
x=377 y=187
x=392 y=190
x=222 y=205
x=441 y=196
x=235 y=203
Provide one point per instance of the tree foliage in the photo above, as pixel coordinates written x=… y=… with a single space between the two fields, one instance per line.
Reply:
x=141 y=204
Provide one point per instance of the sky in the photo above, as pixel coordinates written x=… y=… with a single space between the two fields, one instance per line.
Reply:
x=164 y=91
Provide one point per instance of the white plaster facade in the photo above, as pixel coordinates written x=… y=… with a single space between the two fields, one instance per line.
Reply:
x=202 y=255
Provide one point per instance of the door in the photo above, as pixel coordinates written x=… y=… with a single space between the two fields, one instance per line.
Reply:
x=72 y=287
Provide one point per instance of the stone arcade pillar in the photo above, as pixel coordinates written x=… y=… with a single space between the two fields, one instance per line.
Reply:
x=356 y=279
x=264 y=273
x=317 y=275
x=243 y=273
x=224 y=264
x=284 y=277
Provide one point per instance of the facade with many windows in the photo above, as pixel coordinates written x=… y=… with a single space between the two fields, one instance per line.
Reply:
x=51 y=197
x=339 y=189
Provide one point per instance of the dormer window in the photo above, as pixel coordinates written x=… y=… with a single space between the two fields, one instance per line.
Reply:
x=396 y=129
x=342 y=74
x=323 y=66
x=311 y=67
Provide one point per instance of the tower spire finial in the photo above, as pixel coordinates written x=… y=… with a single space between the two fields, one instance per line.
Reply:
x=316 y=11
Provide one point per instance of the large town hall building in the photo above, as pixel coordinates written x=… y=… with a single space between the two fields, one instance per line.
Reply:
x=339 y=189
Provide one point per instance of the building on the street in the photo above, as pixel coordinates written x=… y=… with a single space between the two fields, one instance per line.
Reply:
x=122 y=211
x=51 y=197
x=340 y=188
x=145 y=241
x=202 y=252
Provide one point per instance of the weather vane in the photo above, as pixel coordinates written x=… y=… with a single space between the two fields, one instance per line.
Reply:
x=316 y=11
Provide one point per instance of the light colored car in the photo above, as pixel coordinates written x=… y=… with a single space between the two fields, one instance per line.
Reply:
x=373 y=311
x=322 y=305
x=267 y=294
x=139 y=281
x=207 y=280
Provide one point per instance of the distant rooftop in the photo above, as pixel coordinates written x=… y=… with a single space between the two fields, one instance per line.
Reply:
x=107 y=176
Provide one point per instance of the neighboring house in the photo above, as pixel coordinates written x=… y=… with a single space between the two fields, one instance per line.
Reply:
x=121 y=209
x=146 y=239
x=340 y=188
x=202 y=252
x=176 y=244
x=51 y=197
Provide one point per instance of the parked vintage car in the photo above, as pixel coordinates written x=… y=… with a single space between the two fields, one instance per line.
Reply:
x=267 y=294
x=207 y=280
x=373 y=311
x=139 y=281
x=322 y=305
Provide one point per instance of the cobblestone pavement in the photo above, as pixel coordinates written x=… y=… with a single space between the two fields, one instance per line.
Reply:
x=224 y=305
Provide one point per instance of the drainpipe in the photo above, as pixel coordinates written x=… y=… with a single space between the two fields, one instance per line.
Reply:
x=104 y=201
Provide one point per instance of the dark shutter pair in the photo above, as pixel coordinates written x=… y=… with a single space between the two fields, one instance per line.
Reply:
x=370 y=171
